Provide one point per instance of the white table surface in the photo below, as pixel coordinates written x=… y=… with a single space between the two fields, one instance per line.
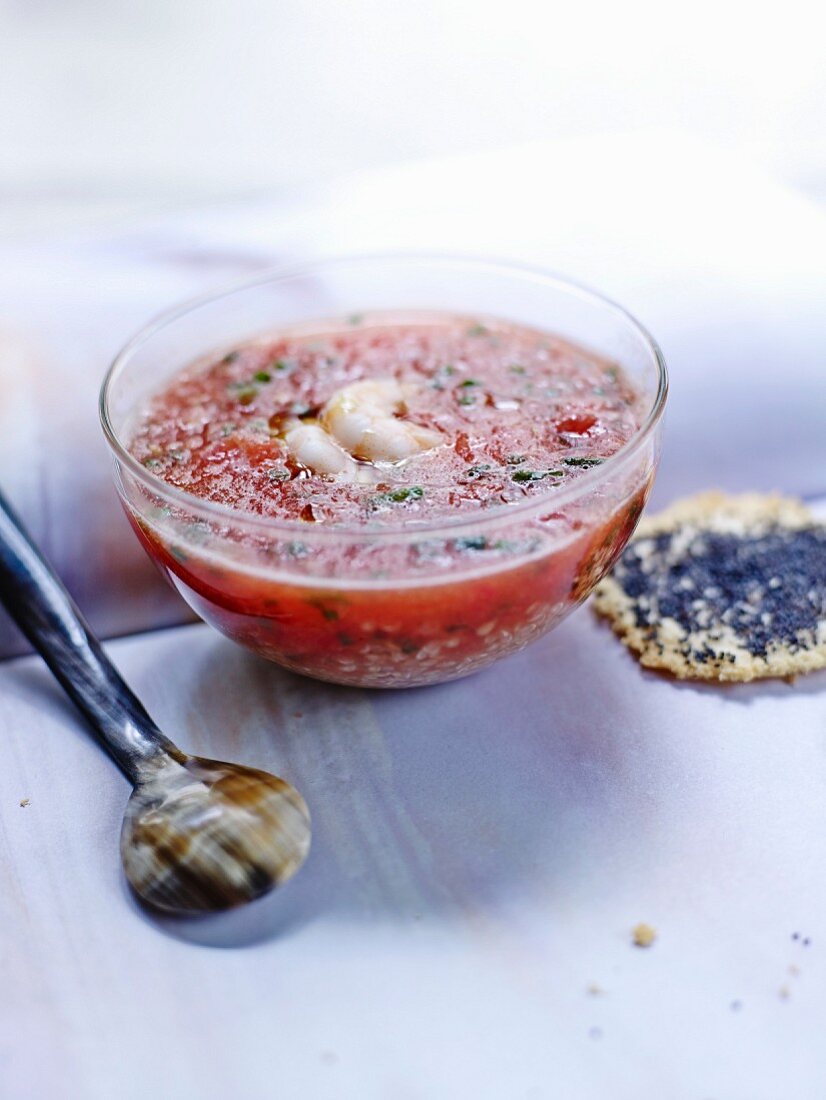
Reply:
x=481 y=853
x=482 y=849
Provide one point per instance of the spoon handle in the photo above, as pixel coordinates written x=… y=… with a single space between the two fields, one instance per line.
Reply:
x=48 y=616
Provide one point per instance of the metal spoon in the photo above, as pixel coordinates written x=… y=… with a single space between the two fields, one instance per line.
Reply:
x=198 y=835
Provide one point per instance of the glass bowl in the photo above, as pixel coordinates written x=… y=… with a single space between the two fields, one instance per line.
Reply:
x=394 y=607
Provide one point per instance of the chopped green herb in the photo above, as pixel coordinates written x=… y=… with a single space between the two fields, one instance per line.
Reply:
x=469 y=382
x=244 y=392
x=297 y=549
x=535 y=475
x=613 y=373
x=466 y=399
x=585 y=462
x=516 y=368
x=477 y=330
x=415 y=492
x=230 y=357
x=505 y=546
x=472 y=542
x=515 y=460
x=398 y=496
x=278 y=473
x=227 y=429
x=480 y=470
x=329 y=613
x=151 y=463
x=439 y=376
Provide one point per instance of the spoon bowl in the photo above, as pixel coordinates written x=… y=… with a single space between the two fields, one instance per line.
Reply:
x=198 y=836
x=202 y=836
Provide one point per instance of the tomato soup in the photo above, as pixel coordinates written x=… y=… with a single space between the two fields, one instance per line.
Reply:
x=382 y=470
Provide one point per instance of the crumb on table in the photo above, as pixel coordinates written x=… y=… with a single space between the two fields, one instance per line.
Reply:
x=643 y=935
x=25 y=801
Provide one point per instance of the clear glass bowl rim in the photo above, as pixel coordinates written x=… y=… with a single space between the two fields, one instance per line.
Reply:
x=502 y=513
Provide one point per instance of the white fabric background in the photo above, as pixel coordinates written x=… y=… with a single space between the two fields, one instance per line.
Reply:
x=108 y=106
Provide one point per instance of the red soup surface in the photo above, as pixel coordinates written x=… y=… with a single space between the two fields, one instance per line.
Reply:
x=376 y=481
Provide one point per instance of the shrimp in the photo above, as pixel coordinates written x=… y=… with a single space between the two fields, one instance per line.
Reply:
x=362 y=418
x=310 y=445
